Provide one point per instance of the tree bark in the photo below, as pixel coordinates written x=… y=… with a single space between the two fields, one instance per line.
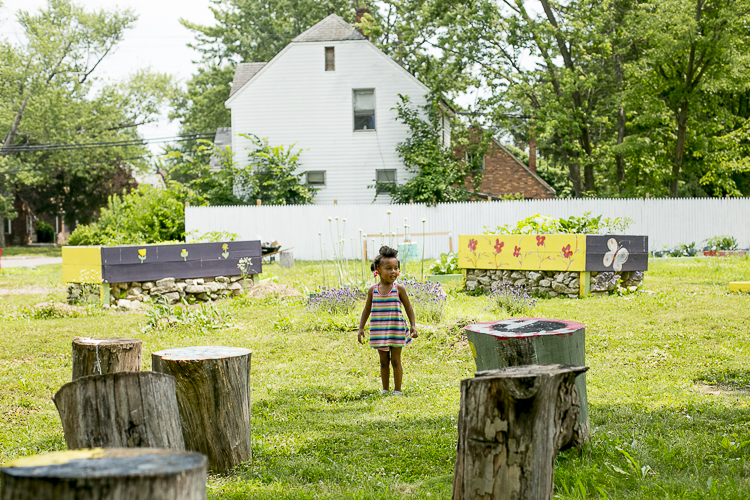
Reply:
x=499 y=344
x=511 y=424
x=213 y=393
x=115 y=473
x=619 y=157
x=102 y=356
x=679 y=153
x=14 y=128
x=120 y=410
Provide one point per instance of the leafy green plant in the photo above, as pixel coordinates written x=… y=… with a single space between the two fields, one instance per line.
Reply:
x=163 y=315
x=546 y=224
x=427 y=298
x=507 y=298
x=446 y=264
x=721 y=243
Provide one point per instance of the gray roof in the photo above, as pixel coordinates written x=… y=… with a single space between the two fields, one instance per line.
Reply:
x=222 y=139
x=242 y=73
x=331 y=29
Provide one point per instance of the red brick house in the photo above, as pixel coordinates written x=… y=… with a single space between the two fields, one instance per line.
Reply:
x=504 y=174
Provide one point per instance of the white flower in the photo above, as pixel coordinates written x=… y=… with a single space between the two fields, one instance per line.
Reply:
x=344 y=220
x=424 y=220
x=389 y=212
x=360 y=229
x=329 y=219
x=337 y=217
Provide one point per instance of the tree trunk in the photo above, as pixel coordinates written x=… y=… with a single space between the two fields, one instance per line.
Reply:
x=120 y=410
x=213 y=393
x=679 y=150
x=619 y=157
x=530 y=341
x=102 y=356
x=511 y=424
x=14 y=128
x=115 y=473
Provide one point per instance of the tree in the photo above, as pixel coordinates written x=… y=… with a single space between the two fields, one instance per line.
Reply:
x=438 y=174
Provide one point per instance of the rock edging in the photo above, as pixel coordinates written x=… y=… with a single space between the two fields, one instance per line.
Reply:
x=550 y=283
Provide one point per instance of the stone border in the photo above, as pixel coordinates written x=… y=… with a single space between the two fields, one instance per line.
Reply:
x=550 y=283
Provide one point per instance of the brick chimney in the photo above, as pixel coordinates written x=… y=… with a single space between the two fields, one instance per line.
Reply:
x=360 y=12
x=532 y=151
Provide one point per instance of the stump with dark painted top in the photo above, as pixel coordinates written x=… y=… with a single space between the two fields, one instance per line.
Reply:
x=120 y=410
x=115 y=473
x=213 y=393
x=101 y=356
x=531 y=341
x=511 y=424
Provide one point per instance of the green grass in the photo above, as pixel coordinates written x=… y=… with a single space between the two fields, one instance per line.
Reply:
x=668 y=390
x=32 y=251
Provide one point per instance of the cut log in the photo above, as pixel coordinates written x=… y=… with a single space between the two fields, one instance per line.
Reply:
x=511 y=424
x=115 y=473
x=120 y=410
x=101 y=356
x=531 y=341
x=213 y=393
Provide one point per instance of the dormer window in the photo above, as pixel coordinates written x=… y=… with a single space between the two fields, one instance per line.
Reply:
x=330 y=59
x=364 y=109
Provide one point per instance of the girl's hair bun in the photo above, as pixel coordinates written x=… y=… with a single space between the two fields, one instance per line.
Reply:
x=387 y=251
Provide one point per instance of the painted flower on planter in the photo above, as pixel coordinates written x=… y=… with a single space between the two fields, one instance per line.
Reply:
x=473 y=245
x=184 y=254
x=473 y=248
x=540 y=241
x=499 y=246
x=225 y=253
x=517 y=252
x=567 y=252
x=142 y=254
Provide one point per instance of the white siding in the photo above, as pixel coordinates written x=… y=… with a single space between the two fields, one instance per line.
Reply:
x=294 y=100
x=664 y=221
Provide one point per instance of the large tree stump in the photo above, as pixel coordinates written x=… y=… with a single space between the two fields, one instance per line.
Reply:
x=511 y=424
x=101 y=356
x=120 y=410
x=112 y=474
x=531 y=341
x=213 y=393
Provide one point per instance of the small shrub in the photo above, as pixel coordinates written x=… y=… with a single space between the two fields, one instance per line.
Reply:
x=334 y=300
x=507 y=298
x=52 y=310
x=164 y=315
x=446 y=264
x=546 y=224
x=720 y=243
x=427 y=298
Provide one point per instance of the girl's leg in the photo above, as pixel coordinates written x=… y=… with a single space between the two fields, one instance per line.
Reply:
x=385 y=371
x=398 y=371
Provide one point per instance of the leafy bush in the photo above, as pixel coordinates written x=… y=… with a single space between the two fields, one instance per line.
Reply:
x=546 y=224
x=203 y=317
x=446 y=264
x=334 y=300
x=507 y=298
x=44 y=232
x=720 y=243
x=427 y=298
x=145 y=215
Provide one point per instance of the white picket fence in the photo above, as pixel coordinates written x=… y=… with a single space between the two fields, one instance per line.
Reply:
x=307 y=227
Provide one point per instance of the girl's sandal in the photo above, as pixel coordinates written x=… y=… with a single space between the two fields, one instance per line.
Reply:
x=398 y=393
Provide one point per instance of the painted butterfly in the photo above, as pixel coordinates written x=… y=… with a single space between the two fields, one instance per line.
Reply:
x=617 y=255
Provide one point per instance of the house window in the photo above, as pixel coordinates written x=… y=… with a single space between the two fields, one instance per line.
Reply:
x=471 y=158
x=386 y=179
x=316 y=178
x=364 y=109
x=8 y=226
x=330 y=59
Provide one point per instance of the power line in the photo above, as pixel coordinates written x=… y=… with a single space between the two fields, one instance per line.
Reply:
x=53 y=167
x=105 y=144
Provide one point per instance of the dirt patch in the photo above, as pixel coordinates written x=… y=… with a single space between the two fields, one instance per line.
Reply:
x=262 y=290
x=723 y=389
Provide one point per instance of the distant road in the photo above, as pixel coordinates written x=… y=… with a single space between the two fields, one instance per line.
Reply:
x=29 y=261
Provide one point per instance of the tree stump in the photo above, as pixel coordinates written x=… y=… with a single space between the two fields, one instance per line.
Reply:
x=120 y=410
x=213 y=393
x=511 y=424
x=531 y=341
x=115 y=473
x=101 y=356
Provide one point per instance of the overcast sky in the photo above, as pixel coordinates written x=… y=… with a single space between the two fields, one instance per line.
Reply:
x=158 y=40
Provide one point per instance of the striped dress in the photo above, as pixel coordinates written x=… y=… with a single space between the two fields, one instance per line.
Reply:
x=387 y=325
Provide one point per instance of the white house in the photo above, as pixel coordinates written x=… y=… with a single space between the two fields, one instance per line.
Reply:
x=332 y=93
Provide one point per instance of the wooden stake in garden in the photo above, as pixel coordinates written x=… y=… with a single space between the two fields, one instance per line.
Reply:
x=98 y=474
x=101 y=356
x=120 y=410
x=213 y=393
x=511 y=424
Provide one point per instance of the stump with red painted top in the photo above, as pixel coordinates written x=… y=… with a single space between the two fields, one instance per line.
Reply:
x=530 y=341
x=511 y=424
x=213 y=394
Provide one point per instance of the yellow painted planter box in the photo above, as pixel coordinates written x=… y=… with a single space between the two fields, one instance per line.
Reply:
x=739 y=286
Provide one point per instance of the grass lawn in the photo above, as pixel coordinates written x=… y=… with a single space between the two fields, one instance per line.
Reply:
x=35 y=251
x=668 y=389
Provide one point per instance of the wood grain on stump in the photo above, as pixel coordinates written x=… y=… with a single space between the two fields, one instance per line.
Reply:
x=511 y=424
x=120 y=410
x=112 y=474
x=101 y=356
x=531 y=341
x=213 y=393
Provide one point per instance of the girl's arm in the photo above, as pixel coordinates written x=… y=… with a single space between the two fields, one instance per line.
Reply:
x=365 y=316
x=409 y=311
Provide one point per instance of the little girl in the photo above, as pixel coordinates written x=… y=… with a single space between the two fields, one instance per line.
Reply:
x=388 y=331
